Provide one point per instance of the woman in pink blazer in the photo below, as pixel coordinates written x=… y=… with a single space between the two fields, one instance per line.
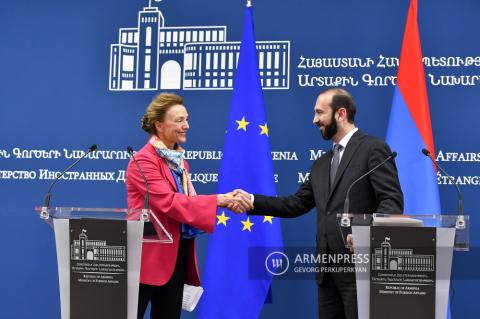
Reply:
x=166 y=267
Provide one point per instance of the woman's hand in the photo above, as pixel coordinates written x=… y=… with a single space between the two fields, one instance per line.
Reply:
x=237 y=204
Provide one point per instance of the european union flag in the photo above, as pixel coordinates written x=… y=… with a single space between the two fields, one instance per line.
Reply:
x=246 y=164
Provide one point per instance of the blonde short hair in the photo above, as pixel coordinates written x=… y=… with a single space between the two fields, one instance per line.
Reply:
x=157 y=109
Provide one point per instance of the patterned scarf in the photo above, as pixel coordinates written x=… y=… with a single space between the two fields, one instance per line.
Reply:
x=174 y=159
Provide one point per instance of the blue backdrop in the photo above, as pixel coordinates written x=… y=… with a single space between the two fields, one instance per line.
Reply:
x=74 y=73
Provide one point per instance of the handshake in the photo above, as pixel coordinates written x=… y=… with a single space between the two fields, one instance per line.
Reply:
x=237 y=201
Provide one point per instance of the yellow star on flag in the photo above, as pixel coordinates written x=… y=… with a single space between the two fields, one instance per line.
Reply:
x=247 y=225
x=242 y=124
x=222 y=219
x=264 y=129
x=268 y=219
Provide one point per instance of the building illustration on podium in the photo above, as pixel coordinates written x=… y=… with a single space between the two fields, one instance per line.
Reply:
x=153 y=56
x=86 y=249
x=387 y=258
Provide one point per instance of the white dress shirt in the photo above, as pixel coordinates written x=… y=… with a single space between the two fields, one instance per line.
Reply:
x=344 y=141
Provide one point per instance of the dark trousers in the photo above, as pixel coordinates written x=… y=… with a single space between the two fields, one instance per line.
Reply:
x=166 y=300
x=337 y=297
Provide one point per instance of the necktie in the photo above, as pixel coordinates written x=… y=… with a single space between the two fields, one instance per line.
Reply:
x=335 y=162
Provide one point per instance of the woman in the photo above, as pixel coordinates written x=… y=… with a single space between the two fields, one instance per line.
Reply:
x=166 y=267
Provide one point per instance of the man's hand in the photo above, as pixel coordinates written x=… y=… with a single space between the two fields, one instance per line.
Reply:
x=242 y=200
x=350 y=242
x=235 y=203
x=240 y=193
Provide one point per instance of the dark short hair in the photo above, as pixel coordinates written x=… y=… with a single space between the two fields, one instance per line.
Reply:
x=342 y=98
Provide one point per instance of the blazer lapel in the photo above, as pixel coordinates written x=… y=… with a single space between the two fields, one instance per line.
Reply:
x=168 y=173
x=325 y=180
x=163 y=166
x=346 y=158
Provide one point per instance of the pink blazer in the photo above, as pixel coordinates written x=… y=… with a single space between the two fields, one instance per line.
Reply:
x=172 y=209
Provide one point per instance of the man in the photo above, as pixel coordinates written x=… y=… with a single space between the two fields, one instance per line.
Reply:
x=352 y=155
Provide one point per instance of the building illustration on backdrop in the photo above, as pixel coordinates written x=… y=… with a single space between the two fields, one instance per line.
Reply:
x=152 y=56
x=86 y=249
x=386 y=258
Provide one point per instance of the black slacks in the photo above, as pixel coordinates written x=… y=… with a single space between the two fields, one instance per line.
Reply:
x=337 y=297
x=166 y=300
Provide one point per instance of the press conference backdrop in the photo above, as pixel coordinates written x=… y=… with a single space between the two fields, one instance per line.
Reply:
x=74 y=73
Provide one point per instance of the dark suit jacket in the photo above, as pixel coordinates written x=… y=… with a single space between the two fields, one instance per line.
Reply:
x=380 y=192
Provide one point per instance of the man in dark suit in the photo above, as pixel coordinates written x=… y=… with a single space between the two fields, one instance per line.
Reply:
x=353 y=154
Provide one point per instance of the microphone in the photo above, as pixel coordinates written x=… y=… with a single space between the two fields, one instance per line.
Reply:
x=145 y=202
x=46 y=203
x=345 y=221
x=460 y=220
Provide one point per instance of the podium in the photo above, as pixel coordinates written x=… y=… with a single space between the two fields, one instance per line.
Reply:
x=407 y=272
x=99 y=255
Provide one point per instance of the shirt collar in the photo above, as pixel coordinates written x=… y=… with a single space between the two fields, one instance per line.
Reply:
x=344 y=141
